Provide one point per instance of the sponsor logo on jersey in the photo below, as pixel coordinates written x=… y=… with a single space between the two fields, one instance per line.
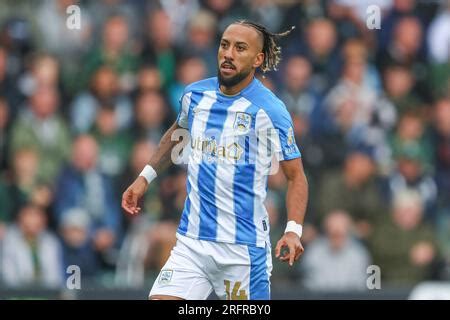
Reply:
x=209 y=147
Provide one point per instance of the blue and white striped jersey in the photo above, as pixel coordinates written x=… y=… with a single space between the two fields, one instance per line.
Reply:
x=232 y=140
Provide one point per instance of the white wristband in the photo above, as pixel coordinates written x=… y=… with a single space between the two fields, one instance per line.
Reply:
x=148 y=173
x=295 y=227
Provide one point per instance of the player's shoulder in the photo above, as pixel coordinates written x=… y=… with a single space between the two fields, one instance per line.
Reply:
x=202 y=85
x=265 y=99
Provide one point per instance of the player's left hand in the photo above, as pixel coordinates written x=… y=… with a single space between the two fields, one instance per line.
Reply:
x=294 y=246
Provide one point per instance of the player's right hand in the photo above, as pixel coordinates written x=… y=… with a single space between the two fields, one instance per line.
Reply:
x=132 y=195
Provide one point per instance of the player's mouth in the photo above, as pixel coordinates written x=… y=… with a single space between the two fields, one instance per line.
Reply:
x=227 y=68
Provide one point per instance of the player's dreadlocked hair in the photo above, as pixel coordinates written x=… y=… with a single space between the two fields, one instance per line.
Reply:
x=272 y=52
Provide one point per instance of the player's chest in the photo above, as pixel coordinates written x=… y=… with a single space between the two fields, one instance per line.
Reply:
x=232 y=117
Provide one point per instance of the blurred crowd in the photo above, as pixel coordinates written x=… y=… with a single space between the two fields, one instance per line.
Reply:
x=82 y=111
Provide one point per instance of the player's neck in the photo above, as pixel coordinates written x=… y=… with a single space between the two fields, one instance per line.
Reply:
x=231 y=91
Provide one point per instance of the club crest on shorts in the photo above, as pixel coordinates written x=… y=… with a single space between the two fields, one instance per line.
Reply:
x=242 y=122
x=166 y=276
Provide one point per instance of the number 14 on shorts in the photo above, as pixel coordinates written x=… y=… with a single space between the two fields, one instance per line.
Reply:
x=237 y=293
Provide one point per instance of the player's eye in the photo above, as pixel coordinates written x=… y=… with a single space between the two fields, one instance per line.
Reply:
x=223 y=45
x=240 y=48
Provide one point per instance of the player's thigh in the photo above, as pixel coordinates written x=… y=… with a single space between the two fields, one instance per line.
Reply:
x=247 y=278
x=182 y=277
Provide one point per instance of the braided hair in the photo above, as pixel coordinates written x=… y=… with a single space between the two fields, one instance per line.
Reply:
x=272 y=52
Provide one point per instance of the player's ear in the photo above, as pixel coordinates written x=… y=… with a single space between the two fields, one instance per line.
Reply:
x=259 y=59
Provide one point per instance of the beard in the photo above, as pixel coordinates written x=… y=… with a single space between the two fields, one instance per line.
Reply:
x=234 y=80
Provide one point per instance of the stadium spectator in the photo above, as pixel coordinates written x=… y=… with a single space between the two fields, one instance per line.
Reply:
x=23 y=185
x=226 y=11
x=114 y=51
x=104 y=89
x=266 y=12
x=339 y=190
x=360 y=83
x=405 y=45
x=301 y=100
x=43 y=71
x=102 y=10
x=82 y=185
x=351 y=104
x=412 y=257
x=412 y=152
x=398 y=10
x=355 y=49
x=151 y=113
x=201 y=37
x=399 y=85
x=411 y=129
x=335 y=261
x=77 y=249
x=114 y=144
x=299 y=14
x=68 y=45
x=320 y=49
x=31 y=254
x=351 y=17
x=41 y=127
x=158 y=48
x=406 y=48
x=180 y=12
x=148 y=79
x=297 y=92
x=17 y=39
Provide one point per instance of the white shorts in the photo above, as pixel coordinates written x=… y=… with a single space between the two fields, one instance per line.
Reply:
x=197 y=267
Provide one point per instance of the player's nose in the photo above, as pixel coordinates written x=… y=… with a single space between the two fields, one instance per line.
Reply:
x=228 y=54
